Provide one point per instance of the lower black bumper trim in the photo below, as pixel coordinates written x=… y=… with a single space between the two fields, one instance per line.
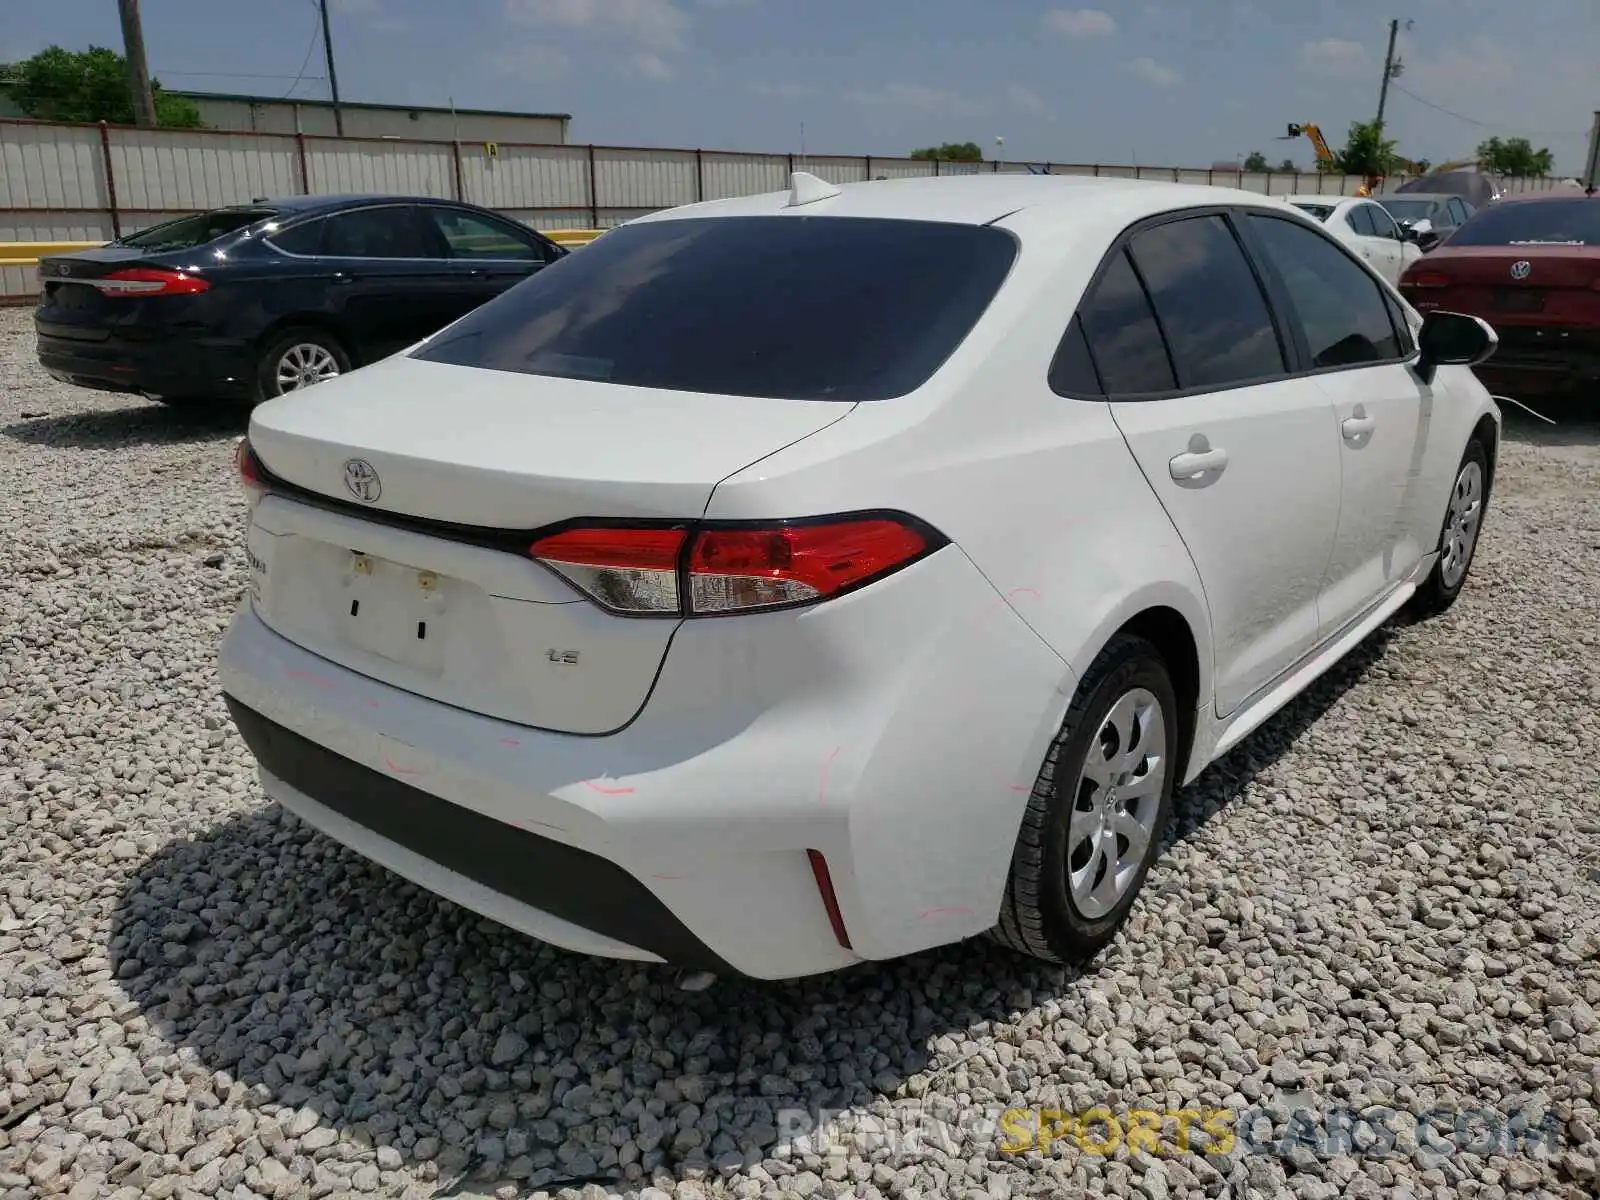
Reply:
x=565 y=882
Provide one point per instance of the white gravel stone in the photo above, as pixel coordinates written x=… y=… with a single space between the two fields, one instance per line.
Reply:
x=1386 y=899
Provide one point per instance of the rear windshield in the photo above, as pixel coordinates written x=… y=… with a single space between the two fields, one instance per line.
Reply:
x=1409 y=210
x=809 y=308
x=1320 y=211
x=188 y=232
x=1574 y=222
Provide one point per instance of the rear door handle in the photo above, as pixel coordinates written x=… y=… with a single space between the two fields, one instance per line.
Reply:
x=1357 y=427
x=1192 y=464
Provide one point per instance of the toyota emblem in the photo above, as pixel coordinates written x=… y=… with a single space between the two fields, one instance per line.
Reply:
x=361 y=481
x=1521 y=269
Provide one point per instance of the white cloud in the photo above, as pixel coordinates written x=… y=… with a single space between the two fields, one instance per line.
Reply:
x=1080 y=22
x=1154 y=73
x=783 y=91
x=1024 y=99
x=650 y=66
x=918 y=97
x=1334 y=56
x=658 y=24
x=535 y=61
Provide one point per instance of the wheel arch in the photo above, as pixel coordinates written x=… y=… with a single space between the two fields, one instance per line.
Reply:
x=1176 y=621
x=1487 y=431
x=320 y=322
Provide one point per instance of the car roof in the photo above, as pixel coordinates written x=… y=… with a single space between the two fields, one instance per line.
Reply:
x=307 y=204
x=978 y=199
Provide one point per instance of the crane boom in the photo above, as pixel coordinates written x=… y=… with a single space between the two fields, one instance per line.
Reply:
x=1318 y=142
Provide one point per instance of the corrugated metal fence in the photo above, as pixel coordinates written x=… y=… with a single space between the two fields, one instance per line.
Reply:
x=94 y=182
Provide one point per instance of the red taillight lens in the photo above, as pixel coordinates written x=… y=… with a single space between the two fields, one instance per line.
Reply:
x=1426 y=279
x=642 y=571
x=736 y=569
x=149 y=281
x=249 y=468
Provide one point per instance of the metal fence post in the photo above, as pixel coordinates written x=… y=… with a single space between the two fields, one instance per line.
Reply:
x=305 y=169
x=935 y=166
x=866 y=167
x=111 y=180
x=699 y=174
x=455 y=152
x=594 y=193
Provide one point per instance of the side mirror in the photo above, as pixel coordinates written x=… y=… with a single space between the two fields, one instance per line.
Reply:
x=1450 y=339
x=1427 y=241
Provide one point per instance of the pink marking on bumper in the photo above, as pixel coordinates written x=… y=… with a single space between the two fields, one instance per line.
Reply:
x=607 y=791
x=316 y=680
x=513 y=742
x=395 y=769
x=946 y=912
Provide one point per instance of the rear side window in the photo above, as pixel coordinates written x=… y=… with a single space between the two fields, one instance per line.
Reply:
x=1122 y=332
x=1340 y=306
x=1072 y=372
x=1563 y=222
x=1382 y=223
x=1458 y=212
x=394 y=231
x=471 y=236
x=304 y=238
x=1320 y=211
x=1211 y=308
x=1359 y=218
x=188 y=232
x=808 y=308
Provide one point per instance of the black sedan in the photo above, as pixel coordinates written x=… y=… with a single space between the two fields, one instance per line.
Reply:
x=254 y=300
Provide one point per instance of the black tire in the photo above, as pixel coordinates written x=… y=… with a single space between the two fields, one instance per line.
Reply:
x=1439 y=591
x=265 y=384
x=1038 y=916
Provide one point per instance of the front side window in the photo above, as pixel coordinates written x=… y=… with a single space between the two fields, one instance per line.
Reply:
x=1123 y=335
x=1359 y=218
x=800 y=307
x=1341 y=307
x=471 y=236
x=1215 y=318
x=392 y=231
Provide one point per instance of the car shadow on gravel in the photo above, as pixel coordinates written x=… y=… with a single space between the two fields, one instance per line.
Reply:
x=140 y=424
x=1576 y=421
x=331 y=986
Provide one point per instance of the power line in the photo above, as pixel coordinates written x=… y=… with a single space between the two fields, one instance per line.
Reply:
x=234 y=75
x=316 y=29
x=1450 y=112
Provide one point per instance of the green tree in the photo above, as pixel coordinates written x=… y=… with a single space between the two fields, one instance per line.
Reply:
x=1515 y=156
x=57 y=84
x=1366 y=152
x=1256 y=161
x=1287 y=164
x=952 y=152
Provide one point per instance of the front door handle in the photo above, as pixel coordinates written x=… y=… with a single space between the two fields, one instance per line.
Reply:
x=343 y=277
x=1357 y=427
x=1192 y=464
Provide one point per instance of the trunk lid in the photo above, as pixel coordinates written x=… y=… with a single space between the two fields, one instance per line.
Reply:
x=404 y=583
x=70 y=306
x=1511 y=285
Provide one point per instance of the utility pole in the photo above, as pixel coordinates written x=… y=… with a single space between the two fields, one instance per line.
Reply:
x=1391 y=69
x=333 y=78
x=144 y=101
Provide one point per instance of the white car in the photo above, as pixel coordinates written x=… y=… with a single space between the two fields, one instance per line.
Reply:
x=817 y=577
x=1367 y=228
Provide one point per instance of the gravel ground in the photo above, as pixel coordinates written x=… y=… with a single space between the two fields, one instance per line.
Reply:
x=1385 y=901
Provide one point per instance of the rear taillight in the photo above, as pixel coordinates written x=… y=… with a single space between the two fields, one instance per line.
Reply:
x=249 y=468
x=149 y=281
x=1427 y=279
x=711 y=569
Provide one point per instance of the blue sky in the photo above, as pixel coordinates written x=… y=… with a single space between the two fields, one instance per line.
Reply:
x=1168 y=82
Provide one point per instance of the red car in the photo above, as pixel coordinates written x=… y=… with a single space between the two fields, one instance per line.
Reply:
x=1531 y=268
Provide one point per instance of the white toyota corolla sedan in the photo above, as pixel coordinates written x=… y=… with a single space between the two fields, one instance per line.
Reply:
x=817 y=577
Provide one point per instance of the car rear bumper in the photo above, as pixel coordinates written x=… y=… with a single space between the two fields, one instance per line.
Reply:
x=1543 y=359
x=684 y=838
x=162 y=368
